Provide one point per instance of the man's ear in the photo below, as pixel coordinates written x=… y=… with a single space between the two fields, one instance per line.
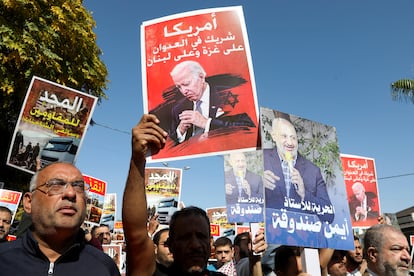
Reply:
x=27 y=202
x=372 y=254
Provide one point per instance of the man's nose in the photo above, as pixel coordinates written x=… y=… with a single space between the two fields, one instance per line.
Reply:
x=69 y=191
x=406 y=256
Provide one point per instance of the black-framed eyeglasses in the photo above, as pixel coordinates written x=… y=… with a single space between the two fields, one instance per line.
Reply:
x=57 y=186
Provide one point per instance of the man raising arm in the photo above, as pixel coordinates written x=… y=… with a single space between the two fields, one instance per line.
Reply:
x=147 y=137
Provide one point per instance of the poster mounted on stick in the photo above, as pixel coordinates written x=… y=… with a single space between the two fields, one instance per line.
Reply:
x=95 y=200
x=163 y=189
x=198 y=80
x=361 y=185
x=243 y=185
x=51 y=125
x=305 y=196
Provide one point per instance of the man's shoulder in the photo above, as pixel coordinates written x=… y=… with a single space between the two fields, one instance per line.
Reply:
x=6 y=247
x=95 y=257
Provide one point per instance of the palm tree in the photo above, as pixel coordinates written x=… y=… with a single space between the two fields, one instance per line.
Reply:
x=403 y=90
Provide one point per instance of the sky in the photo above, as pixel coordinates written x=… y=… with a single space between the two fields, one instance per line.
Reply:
x=327 y=61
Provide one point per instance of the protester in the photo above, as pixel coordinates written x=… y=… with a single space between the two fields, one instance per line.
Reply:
x=102 y=233
x=5 y=222
x=224 y=251
x=355 y=263
x=287 y=261
x=336 y=265
x=163 y=256
x=55 y=243
x=248 y=261
x=189 y=236
x=147 y=137
x=387 y=251
x=90 y=238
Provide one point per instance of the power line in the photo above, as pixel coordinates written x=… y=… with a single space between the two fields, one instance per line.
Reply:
x=93 y=122
x=395 y=176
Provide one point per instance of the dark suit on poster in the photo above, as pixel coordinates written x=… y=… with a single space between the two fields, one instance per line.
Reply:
x=256 y=188
x=372 y=210
x=315 y=187
x=217 y=100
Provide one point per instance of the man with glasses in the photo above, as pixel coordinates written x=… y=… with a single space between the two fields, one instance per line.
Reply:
x=55 y=243
x=5 y=222
x=163 y=256
x=102 y=233
x=202 y=107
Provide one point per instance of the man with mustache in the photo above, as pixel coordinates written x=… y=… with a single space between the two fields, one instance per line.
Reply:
x=189 y=236
x=387 y=251
x=5 y=222
x=55 y=243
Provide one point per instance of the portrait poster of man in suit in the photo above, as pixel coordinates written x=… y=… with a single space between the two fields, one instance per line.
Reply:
x=243 y=183
x=304 y=189
x=361 y=184
x=198 y=80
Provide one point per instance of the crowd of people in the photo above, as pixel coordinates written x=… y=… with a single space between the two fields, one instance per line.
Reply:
x=56 y=243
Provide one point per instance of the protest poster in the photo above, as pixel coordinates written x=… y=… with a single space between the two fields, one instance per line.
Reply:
x=10 y=199
x=95 y=199
x=51 y=125
x=163 y=189
x=243 y=185
x=215 y=230
x=305 y=195
x=115 y=252
x=361 y=185
x=109 y=211
x=218 y=215
x=246 y=228
x=118 y=232
x=220 y=91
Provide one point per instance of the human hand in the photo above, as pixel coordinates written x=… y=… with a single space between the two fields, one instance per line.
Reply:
x=297 y=180
x=363 y=266
x=246 y=187
x=193 y=118
x=258 y=247
x=147 y=136
x=359 y=211
x=183 y=127
x=229 y=188
x=269 y=179
x=153 y=224
x=259 y=244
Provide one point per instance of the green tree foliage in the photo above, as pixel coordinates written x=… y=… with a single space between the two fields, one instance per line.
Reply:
x=403 y=90
x=49 y=39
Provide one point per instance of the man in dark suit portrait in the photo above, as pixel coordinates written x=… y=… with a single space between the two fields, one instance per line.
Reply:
x=362 y=204
x=201 y=108
x=242 y=185
x=292 y=182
